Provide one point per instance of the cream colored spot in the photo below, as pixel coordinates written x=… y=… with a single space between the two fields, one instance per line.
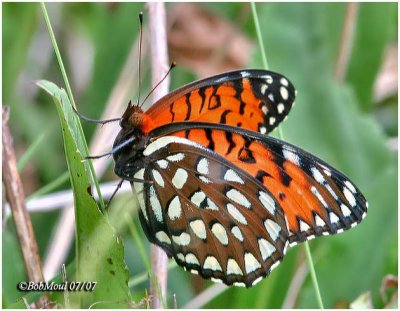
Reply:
x=233 y=267
x=251 y=263
x=220 y=233
x=212 y=263
x=198 y=228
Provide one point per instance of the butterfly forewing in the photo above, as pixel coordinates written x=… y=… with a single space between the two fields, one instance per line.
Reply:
x=213 y=219
x=256 y=100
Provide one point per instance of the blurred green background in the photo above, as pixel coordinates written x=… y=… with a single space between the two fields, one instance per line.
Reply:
x=349 y=121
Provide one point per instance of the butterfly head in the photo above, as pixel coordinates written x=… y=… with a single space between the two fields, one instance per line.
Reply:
x=135 y=118
x=129 y=143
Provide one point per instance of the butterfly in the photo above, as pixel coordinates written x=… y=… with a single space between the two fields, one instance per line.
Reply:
x=218 y=194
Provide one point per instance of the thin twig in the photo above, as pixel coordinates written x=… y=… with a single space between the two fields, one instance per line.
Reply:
x=16 y=198
x=159 y=66
x=346 y=41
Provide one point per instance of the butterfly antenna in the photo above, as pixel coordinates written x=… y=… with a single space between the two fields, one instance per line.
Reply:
x=140 y=53
x=173 y=64
x=112 y=151
x=114 y=193
x=102 y=122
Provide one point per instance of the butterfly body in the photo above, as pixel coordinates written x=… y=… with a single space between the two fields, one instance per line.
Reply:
x=217 y=194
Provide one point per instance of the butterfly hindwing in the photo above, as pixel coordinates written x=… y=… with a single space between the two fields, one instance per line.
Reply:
x=255 y=100
x=214 y=220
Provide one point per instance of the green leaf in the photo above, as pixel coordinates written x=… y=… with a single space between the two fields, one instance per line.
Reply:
x=99 y=251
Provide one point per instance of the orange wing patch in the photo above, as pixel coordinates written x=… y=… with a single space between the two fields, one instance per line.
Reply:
x=250 y=100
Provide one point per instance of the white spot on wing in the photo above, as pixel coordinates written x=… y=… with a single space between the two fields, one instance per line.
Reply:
x=202 y=166
x=216 y=280
x=266 y=248
x=220 y=233
x=211 y=205
x=174 y=208
x=198 y=228
x=234 y=212
x=155 y=205
x=163 y=237
x=231 y=175
x=268 y=78
x=281 y=108
x=284 y=93
x=165 y=141
x=304 y=226
x=333 y=218
x=198 y=197
x=245 y=74
x=256 y=281
x=183 y=239
x=317 y=175
x=273 y=228
x=275 y=264
x=191 y=259
x=345 y=210
x=250 y=262
x=162 y=164
x=264 y=109
x=319 y=222
x=205 y=180
x=290 y=155
x=158 y=178
x=139 y=175
x=237 y=233
x=271 y=97
x=267 y=201
x=176 y=157
x=263 y=130
x=310 y=237
x=180 y=256
x=284 y=82
x=264 y=88
x=212 y=263
x=138 y=187
x=179 y=178
x=232 y=267
x=349 y=196
x=238 y=197
x=350 y=186
x=239 y=284
x=272 y=121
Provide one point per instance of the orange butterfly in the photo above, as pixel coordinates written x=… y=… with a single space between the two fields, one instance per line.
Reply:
x=218 y=194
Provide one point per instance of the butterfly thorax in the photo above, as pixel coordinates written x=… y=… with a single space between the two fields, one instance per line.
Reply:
x=135 y=125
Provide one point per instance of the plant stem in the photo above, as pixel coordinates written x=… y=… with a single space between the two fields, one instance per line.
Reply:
x=259 y=36
x=71 y=97
x=313 y=275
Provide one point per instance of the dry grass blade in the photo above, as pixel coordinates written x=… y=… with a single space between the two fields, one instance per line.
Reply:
x=16 y=198
x=346 y=41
